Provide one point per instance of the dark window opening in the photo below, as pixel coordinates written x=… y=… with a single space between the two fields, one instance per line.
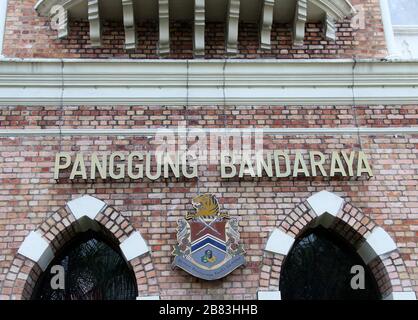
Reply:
x=94 y=270
x=318 y=267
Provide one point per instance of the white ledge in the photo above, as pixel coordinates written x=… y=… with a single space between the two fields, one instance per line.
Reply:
x=269 y=295
x=166 y=82
x=402 y=296
x=148 y=298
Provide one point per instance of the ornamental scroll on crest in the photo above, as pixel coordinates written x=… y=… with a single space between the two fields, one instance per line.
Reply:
x=208 y=241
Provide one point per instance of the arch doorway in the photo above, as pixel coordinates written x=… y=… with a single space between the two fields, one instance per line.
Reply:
x=325 y=229
x=93 y=268
x=319 y=267
x=84 y=234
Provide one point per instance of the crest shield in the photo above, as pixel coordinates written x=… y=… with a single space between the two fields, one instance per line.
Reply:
x=208 y=241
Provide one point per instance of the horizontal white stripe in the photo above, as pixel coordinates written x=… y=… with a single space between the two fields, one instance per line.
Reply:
x=207 y=82
x=225 y=131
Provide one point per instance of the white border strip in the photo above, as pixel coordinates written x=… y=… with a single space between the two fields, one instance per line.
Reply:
x=154 y=131
x=43 y=82
x=3 y=14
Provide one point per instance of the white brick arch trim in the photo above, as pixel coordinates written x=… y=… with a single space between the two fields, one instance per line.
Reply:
x=325 y=208
x=81 y=214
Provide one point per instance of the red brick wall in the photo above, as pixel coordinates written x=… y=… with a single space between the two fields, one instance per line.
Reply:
x=208 y=117
x=28 y=192
x=30 y=36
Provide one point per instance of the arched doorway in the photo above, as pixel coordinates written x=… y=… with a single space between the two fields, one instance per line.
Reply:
x=372 y=243
x=49 y=244
x=93 y=268
x=320 y=267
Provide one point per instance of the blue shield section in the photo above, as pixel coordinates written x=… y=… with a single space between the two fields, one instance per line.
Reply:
x=215 y=274
x=208 y=256
x=209 y=240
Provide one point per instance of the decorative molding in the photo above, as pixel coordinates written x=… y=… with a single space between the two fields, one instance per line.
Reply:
x=149 y=132
x=232 y=26
x=269 y=295
x=325 y=202
x=378 y=243
x=43 y=7
x=301 y=15
x=279 y=242
x=95 y=23
x=164 y=22
x=37 y=249
x=339 y=9
x=266 y=23
x=86 y=206
x=163 y=82
x=129 y=24
x=330 y=28
x=199 y=28
x=63 y=30
x=134 y=246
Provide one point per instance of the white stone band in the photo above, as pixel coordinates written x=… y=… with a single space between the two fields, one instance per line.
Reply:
x=134 y=246
x=279 y=242
x=269 y=295
x=37 y=249
x=86 y=206
x=378 y=243
x=210 y=82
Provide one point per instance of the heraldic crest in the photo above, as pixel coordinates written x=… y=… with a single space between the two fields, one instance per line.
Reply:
x=208 y=241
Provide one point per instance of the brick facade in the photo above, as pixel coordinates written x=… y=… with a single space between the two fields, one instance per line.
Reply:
x=30 y=36
x=29 y=194
x=30 y=199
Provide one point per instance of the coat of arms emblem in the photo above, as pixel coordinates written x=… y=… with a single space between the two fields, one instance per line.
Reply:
x=208 y=241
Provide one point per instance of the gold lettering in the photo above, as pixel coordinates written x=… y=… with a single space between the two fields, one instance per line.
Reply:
x=59 y=165
x=121 y=167
x=148 y=166
x=337 y=165
x=280 y=154
x=246 y=167
x=228 y=165
x=363 y=165
x=300 y=165
x=349 y=160
x=267 y=166
x=317 y=163
x=79 y=168
x=96 y=165
x=174 y=165
x=189 y=159
x=138 y=167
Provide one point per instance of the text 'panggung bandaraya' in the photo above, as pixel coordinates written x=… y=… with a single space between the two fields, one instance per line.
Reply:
x=156 y=165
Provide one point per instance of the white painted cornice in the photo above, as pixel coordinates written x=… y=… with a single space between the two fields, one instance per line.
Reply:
x=247 y=82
